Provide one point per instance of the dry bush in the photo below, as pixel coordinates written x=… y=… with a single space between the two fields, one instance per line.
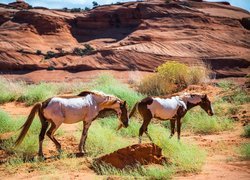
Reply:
x=172 y=77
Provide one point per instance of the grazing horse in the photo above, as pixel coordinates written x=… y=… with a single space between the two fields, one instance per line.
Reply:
x=84 y=107
x=169 y=108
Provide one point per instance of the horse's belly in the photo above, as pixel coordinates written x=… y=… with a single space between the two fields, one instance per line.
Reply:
x=164 y=113
x=74 y=115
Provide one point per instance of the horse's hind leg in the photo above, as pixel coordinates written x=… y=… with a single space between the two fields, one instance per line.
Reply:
x=41 y=136
x=84 y=136
x=144 y=128
x=50 y=134
x=172 y=124
x=44 y=128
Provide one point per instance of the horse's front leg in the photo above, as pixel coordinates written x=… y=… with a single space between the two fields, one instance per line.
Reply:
x=86 y=126
x=172 y=126
x=179 y=128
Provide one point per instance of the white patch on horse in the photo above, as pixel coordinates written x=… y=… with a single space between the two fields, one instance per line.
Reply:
x=165 y=108
x=71 y=110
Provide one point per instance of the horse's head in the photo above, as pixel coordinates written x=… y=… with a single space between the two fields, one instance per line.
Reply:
x=123 y=114
x=112 y=102
x=206 y=105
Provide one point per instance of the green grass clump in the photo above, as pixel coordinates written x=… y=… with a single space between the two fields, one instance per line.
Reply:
x=225 y=84
x=112 y=122
x=137 y=171
x=201 y=123
x=29 y=146
x=108 y=84
x=245 y=151
x=185 y=157
x=10 y=90
x=6 y=122
x=246 y=131
x=37 y=92
x=103 y=140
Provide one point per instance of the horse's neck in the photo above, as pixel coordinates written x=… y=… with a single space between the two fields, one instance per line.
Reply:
x=190 y=105
x=102 y=103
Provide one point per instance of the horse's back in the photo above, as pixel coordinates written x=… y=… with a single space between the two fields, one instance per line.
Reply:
x=164 y=108
x=70 y=110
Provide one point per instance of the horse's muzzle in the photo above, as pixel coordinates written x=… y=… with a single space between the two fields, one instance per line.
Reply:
x=125 y=125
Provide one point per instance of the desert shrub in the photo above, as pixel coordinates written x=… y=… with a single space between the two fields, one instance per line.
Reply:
x=198 y=74
x=246 y=131
x=172 y=77
x=50 y=54
x=245 y=150
x=75 y=10
x=83 y=51
x=38 y=52
x=86 y=8
x=36 y=93
x=108 y=84
x=9 y=90
x=155 y=85
x=51 y=68
x=201 y=123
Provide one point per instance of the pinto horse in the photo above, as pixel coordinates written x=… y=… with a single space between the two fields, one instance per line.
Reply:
x=84 y=107
x=170 y=108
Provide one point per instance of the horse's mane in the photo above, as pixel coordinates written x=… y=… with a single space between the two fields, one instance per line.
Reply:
x=98 y=93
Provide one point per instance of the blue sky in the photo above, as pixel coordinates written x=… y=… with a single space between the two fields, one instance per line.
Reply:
x=245 y=4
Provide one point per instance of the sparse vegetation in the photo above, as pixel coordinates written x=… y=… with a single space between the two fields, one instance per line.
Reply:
x=50 y=54
x=37 y=93
x=247 y=131
x=172 y=77
x=38 y=52
x=201 y=123
x=245 y=151
x=95 y=4
x=10 y=90
x=83 y=51
x=138 y=171
x=75 y=10
x=185 y=158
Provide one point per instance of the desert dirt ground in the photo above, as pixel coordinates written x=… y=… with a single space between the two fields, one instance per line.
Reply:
x=222 y=161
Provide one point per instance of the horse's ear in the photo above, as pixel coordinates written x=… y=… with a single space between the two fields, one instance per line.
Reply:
x=125 y=102
x=204 y=96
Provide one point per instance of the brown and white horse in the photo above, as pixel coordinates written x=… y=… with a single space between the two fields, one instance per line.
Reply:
x=171 y=108
x=84 y=107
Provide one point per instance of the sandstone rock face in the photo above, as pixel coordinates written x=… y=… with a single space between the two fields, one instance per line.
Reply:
x=128 y=36
x=129 y=156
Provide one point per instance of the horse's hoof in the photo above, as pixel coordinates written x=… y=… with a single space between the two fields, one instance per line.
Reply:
x=41 y=157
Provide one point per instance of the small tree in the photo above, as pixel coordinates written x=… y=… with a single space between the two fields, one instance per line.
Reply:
x=87 y=9
x=95 y=4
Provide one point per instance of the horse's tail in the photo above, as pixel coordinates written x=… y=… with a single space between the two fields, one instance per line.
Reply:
x=133 y=110
x=26 y=125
